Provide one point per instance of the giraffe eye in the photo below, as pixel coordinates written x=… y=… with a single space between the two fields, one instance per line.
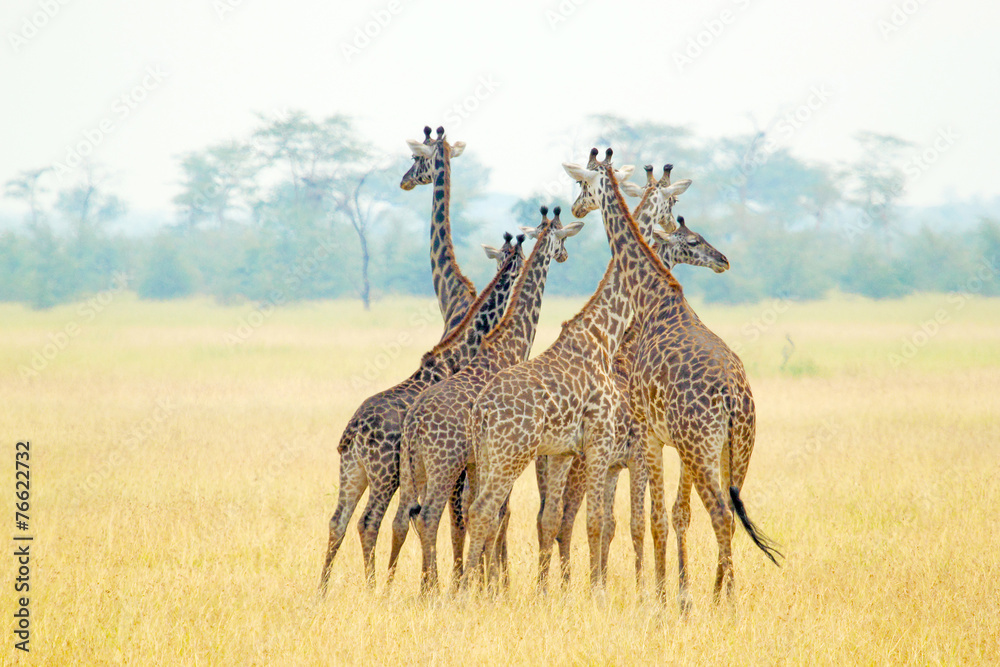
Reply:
x=692 y=241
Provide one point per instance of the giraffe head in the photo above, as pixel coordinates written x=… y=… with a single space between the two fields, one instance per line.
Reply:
x=660 y=195
x=506 y=250
x=558 y=233
x=587 y=200
x=683 y=246
x=423 y=157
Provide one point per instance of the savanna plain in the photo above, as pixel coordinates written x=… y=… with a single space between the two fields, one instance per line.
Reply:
x=184 y=470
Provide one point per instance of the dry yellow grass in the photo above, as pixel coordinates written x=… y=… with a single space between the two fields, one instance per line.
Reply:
x=182 y=487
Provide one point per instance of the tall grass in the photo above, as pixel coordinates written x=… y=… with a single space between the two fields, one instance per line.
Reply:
x=182 y=484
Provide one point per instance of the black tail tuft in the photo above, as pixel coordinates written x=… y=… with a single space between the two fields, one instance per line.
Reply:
x=414 y=510
x=763 y=542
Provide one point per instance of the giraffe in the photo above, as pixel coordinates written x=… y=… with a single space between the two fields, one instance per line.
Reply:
x=432 y=164
x=679 y=246
x=562 y=402
x=653 y=208
x=687 y=390
x=435 y=449
x=369 y=446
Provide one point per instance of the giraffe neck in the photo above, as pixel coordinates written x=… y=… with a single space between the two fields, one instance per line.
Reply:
x=667 y=254
x=464 y=342
x=644 y=279
x=608 y=313
x=647 y=212
x=454 y=291
x=510 y=343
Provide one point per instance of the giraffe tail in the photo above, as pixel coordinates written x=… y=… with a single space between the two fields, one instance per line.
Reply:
x=407 y=475
x=763 y=542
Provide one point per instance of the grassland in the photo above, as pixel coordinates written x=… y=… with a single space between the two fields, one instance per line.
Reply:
x=184 y=470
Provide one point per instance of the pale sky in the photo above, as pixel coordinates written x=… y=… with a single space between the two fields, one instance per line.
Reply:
x=524 y=74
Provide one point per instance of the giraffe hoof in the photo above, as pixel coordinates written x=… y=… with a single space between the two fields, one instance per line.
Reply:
x=600 y=598
x=687 y=606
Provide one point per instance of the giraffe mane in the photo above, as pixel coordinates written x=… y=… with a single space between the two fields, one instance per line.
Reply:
x=587 y=307
x=473 y=311
x=515 y=293
x=640 y=242
x=608 y=272
x=444 y=154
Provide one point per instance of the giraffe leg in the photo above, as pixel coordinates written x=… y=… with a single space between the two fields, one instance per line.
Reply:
x=426 y=524
x=637 y=498
x=558 y=471
x=400 y=528
x=458 y=526
x=379 y=496
x=500 y=547
x=440 y=485
x=541 y=471
x=706 y=482
x=653 y=457
x=610 y=486
x=353 y=482
x=407 y=504
x=484 y=522
x=576 y=489
x=495 y=478
x=681 y=521
x=598 y=462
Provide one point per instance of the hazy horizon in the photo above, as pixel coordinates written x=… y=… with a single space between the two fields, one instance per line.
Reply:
x=138 y=86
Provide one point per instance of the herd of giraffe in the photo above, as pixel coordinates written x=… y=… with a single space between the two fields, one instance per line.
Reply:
x=634 y=370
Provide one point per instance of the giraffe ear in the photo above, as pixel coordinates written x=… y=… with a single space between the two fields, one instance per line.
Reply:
x=661 y=234
x=578 y=173
x=418 y=149
x=677 y=188
x=457 y=148
x=632 y=190
x=491 y=252
x=569 y=230
x=624 y=173
x=530 y=232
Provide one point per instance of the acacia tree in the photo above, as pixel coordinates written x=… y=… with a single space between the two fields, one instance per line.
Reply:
x=218 y=181
x=27 y=187
x=88 y=206
x=879 y=181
